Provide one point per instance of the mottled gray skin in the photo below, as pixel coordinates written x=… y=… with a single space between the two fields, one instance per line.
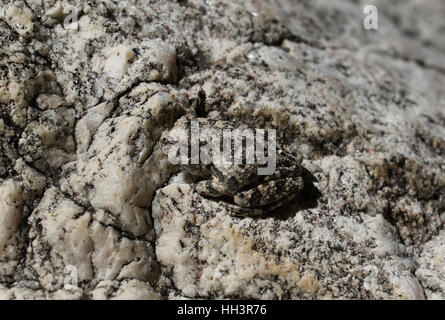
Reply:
x=239 y=187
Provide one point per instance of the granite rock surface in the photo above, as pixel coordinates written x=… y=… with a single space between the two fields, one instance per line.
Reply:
x=91 y=209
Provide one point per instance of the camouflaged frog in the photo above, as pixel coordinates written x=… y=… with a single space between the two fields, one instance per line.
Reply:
x=239 y=186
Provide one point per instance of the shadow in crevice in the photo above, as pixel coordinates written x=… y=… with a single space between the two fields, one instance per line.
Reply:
x=307 y=199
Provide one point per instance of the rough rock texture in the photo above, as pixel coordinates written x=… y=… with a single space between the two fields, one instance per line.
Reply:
x=89 y=207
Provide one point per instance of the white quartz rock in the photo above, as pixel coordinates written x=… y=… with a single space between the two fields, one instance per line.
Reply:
x=11 y=215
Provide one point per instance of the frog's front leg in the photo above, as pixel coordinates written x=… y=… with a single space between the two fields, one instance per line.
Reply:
x=235 y=210
x=265 y=197
x=269 y=192
x=213 y=187
x=226 y=182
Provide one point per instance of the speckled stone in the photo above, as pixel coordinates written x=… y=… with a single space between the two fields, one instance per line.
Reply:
x=90 y=208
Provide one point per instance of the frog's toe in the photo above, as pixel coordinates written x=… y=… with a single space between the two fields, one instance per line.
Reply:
x=205 y=188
